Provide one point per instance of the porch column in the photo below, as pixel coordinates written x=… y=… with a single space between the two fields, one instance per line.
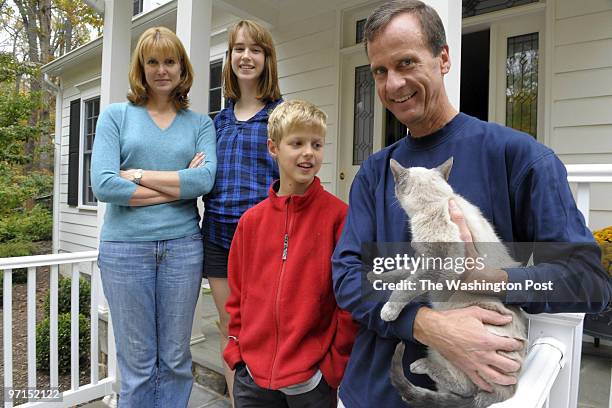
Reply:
x=193 y=24
x=450 y=13
x=114 y=87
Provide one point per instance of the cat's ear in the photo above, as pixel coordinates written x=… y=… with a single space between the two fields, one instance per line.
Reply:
x=445 y=168
x=396 y=169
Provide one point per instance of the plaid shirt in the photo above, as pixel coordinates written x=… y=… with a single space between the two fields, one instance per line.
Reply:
x=245 y=171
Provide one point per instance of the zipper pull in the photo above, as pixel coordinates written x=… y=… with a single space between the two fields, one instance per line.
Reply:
x=285 y=247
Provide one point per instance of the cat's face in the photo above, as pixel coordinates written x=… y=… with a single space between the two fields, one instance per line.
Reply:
x=417 y=187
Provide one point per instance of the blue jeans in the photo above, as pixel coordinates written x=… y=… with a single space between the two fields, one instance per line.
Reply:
x=152 y=288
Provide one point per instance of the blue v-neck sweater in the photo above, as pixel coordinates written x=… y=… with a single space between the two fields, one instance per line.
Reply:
x=127 y=138
x=521 y=188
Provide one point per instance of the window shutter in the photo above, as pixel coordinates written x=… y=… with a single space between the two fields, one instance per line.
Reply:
x=73 y=152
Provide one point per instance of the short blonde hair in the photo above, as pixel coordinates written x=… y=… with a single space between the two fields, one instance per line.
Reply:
x=267 y=86
x=164 y=41
x=291 y=116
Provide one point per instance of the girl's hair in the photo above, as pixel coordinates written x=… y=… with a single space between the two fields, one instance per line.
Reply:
x=159 y=40
x=267 y=86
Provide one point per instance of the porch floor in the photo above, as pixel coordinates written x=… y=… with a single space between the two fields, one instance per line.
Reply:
x=595 y=369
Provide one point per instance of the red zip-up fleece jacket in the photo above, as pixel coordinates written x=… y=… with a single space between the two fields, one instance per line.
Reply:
x=284 y=319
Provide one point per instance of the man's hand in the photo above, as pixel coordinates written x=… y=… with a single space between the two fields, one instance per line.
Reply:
x=475 y=274
x=461 y=337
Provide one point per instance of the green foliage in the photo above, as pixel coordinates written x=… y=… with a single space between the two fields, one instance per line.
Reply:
x=63 y=297
x=63 y=342
x=34 y=225
x=13 y=249
x=16 y=248
x=17 y=187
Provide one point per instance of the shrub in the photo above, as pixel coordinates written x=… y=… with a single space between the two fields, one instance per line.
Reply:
x=63 y=342
x=63 y=297
x=33 y=225
x=17 y=248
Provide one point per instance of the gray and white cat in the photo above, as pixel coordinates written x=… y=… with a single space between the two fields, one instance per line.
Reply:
x=424 y=195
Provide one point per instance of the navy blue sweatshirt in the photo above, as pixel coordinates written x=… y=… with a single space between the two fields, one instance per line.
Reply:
x=521 y=188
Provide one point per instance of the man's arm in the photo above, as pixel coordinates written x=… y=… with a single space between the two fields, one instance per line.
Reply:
x=347 y=265
x=565 y=252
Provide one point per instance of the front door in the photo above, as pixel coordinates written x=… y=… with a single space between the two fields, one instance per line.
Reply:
x=501 y=71
x=361 y=118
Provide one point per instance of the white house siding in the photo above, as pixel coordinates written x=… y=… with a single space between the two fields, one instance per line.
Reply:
x=307 y=54
x=77 y=226
x=581 y=115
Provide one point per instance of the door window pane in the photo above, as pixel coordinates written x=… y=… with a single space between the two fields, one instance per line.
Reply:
x=363 y=129
x=522 y=83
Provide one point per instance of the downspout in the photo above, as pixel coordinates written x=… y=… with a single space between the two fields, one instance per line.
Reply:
x=57 y=158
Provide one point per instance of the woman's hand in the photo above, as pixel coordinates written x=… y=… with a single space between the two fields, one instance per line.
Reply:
x=127 y=174
x=197 y=160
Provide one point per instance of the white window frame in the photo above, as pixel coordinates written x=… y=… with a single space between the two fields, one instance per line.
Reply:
x=86 y=96
x=217 y=58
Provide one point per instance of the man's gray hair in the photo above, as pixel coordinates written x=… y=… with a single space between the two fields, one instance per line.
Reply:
x=431 y=25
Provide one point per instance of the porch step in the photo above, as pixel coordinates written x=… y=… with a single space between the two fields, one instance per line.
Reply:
x=595 y=377
x=207 y=367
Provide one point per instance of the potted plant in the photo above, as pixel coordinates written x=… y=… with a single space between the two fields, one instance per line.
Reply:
x=600 y=325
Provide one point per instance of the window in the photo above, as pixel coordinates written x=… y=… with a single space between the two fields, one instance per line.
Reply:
x=137 y=7
x=363 y=130
x=215 y=95
x=359 y=30
x=522 y=83
x=90 y=118
x=476 y=7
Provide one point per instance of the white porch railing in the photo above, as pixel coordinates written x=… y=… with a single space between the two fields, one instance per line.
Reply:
x=78 y=393
x=550 y=375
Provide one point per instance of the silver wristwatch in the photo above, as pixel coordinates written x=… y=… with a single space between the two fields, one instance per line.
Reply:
x=137 y=176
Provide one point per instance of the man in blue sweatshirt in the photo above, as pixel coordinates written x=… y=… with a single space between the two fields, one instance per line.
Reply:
x=519 y=185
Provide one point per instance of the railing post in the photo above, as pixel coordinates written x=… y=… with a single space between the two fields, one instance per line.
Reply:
x=7 y=335
x=583 y=200
x=566 y=328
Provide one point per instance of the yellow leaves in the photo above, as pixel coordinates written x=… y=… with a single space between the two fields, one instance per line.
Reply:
x=604 y=239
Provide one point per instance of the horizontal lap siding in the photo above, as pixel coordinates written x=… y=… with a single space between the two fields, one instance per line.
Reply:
x=307 y=65
x=581 y=111
x=77 y=227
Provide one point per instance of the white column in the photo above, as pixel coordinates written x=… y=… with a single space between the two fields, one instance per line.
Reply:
x=193 y=24
x=116 y=51
x=450 y=13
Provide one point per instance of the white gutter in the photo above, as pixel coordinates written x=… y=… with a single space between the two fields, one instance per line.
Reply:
x=57 y=158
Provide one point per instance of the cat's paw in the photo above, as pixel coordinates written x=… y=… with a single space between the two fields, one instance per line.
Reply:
x=390 y=311
x=419 y=366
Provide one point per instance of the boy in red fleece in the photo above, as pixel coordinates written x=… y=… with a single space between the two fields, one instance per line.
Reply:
x=289 y=342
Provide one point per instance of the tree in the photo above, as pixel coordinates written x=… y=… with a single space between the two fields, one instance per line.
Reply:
x=41 y=30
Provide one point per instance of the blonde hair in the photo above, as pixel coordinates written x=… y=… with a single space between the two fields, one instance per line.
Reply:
x=267 y=86
x=164 y=41
x=290 y=116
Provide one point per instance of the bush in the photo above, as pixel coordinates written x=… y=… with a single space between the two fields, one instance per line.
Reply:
x=63 y=342
x=63 y=297
x=35 y=225
x=17 y=248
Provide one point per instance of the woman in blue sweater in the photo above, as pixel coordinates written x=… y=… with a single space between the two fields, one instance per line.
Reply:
x=152 y=158
x=246 y=170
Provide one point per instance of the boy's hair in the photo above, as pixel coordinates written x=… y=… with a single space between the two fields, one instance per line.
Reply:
x=267 y=86
x=163 y=40
x=290 y=116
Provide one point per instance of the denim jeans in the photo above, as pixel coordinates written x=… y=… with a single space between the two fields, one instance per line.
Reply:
x=152 y=288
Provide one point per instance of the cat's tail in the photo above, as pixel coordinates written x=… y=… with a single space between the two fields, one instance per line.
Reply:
x=418 y=397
